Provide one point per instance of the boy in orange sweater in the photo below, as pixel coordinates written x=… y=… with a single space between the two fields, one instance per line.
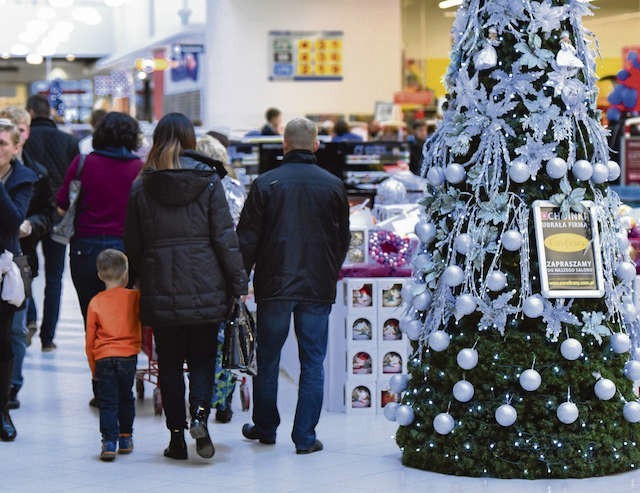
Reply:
x=112 y=347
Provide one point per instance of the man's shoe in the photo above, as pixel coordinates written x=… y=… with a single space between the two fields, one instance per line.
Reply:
x=125 y=444
x=32 y=328
x=199 y=431
x=316 y=447
x=177 y=448
x=108 y=453
x=249 y=431
x=13 y=402
x=224 y=415
x=48 y=347
x=94 y=403
x=8 y=431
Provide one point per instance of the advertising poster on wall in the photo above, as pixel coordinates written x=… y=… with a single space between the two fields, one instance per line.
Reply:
x=305 y=55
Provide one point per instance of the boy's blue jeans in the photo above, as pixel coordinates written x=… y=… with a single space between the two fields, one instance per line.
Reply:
x=311 y=322
x=114 y=383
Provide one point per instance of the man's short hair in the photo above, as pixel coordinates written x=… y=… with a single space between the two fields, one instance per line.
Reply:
x=419 y=124
x=112 y=264
x=301 y=133
x=272 y=113
x=40 y=106
x=16 y=114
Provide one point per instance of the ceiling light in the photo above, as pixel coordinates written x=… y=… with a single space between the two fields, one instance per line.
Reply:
x=47 y=49
x=34 y=58
x=88 y=15
x=61 y=3
x=447 y=4
x=5 y=56
x=19 y=49
x=70 y=57
x=46 y=13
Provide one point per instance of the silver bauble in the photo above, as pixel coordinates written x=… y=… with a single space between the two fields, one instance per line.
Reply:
x=605 y=389
x=506 y=415
x=435 y=176
x=390 y=411
x=422 y=301
x=455 y=173
x=391 y=191
x=398 y=383
x=571 y=349
x=467 y=358
x=463 y=391
x=519 y=171
x=631 y=411
x=582 y=170
x=404 y=415
x=600 y=173
x=463 y=243
x=614 y=171
x=530 y=380
x=629 y=312
x=626 y=271
x=556 y=168
x=496 y=280
x=420 y=261
x=632 y=370
x=414 y=330
x=439 y=340
x=425 y=231
x=623 y=240
x=443 y=423
x=620 y=342
x=567 y=412
x=533 y=306
x=511 y=240
x=453 y=276
x=465 y=305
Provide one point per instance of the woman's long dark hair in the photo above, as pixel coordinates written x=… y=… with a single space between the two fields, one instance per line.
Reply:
x=173 y=134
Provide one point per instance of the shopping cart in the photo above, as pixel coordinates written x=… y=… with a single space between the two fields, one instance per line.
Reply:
x=150 y=373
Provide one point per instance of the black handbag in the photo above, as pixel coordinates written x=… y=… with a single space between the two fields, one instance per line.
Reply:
x=239 y=346
x=22 y=261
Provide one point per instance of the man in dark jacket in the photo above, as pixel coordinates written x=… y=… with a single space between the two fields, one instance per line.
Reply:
x=294 y=229
x=55 y=150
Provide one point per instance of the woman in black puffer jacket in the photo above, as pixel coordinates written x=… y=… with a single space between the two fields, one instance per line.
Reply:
x=181 y=242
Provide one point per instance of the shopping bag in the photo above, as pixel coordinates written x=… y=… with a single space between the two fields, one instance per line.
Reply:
x=239 y=347
x=22 y=261
x=12 y=285
x=66 y=228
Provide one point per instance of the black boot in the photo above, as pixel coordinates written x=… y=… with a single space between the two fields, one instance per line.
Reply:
x=177 y=448
x=199 y=431
x=13 y=403
x=7 y=429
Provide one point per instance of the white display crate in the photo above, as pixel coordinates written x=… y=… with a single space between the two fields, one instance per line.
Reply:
x=384 y=395
x=361 y=327
x=360 y=295
x=360 y=396
x=392 y=359
x=362 y=361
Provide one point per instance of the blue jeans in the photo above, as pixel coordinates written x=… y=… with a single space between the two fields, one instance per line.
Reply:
x=32 y=314
x=83 y=253
x=18 y=346
x=53 y=270
x=114 y=384
x=311 y=322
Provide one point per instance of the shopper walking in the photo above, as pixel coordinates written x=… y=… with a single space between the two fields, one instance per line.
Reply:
x=55 y=150
x=294 y=229
x=16 y=186
x=273 y=126
x=181 y=242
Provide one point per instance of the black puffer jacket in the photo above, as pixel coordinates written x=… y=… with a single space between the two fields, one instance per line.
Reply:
x=180 y=240
x=295 y=228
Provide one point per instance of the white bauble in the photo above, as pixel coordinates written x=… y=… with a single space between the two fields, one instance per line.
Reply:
x=506 y=415
x=443 y=423
x=519 y=171
x=435 y=176
x=422 y=301
x=567 y=412
x=631 y=411
x=465 y=305
x=463 y=243
x=623 y=240
x=600 y=173
x=556 y=168
x=629 y=312
x=496 y=280
x=453 y=276
x=632 y=370
x=620 y=342
x=511 y=240
x=530 y=380
x=390 y=411
x=439 y=340
x=605 y=389
x=425 y=231
x=463 y=391
x=614 y=171
x=533 y=306
x=571 y=349
x=467 y=358
x=582 y=170
x=404 y=415
x=455 y=173
x=398 y=383
x=626 y=271
x=414 y=330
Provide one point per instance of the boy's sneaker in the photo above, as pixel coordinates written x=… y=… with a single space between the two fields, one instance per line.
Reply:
x=108 y=453
x=125 y=444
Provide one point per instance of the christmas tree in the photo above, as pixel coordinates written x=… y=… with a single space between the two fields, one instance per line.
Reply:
x=518 y=371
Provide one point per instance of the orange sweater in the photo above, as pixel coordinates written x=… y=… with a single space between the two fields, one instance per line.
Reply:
x=113 y=325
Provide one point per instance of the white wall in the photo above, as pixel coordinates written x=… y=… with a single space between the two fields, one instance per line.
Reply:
x=238 y=90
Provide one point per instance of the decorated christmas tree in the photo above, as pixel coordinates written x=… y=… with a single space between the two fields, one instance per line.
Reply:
x=520 y=310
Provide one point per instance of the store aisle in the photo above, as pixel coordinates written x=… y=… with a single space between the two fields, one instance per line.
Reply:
x=58 y=444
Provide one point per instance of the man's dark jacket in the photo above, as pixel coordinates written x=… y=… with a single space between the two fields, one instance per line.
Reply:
x=295 y=229
x=52 y=148
x=15 y=195
x=180 y=240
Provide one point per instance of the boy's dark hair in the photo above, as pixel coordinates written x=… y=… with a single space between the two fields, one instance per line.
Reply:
x=40 y=106
x=341 y=127
x=112 y=264
x=272 y=113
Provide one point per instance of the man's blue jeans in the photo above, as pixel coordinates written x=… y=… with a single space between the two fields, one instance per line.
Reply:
x=114 y=384
x=311 y=322
x=18 y=346
x=53 y=268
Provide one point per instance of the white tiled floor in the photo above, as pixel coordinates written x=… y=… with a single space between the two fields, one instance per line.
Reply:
x=58 y=441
